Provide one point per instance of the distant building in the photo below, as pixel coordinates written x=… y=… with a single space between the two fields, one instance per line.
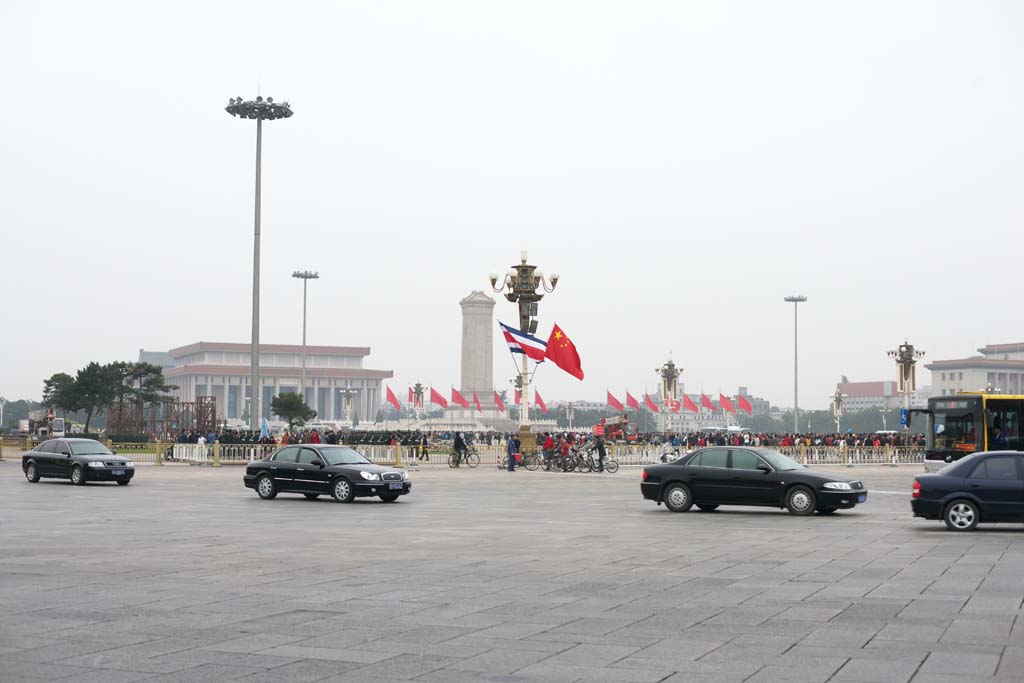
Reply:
x=869 y=396
x=1000 y=367
x=222 y=370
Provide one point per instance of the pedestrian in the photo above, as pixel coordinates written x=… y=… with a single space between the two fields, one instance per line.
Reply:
x=601 y=454
x=513 y=449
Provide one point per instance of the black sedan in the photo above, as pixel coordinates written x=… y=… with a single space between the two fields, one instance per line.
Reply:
x=80 y=460
x=982 y=487
x=315 y=469
x=748 y=476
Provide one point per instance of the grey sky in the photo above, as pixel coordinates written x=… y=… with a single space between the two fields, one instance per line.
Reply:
x=683 y=165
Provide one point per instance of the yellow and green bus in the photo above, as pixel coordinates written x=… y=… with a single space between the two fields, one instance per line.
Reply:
x=971 y=421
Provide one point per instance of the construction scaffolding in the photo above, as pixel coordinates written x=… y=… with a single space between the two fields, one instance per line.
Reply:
x=163 y=420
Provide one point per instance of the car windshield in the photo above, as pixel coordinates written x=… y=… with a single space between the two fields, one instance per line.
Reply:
x=342 y=455
x=89 y=448
x=780 y=462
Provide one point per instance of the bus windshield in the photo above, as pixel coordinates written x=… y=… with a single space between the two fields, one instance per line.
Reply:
x=955 y=430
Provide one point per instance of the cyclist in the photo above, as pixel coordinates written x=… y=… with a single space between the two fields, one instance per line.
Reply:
x=549 y=448
x=460 y=448
x=599 y=445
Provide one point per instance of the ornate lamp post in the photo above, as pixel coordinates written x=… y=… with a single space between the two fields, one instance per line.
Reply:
x=260 y=110
x=906 y=357
x=305 y=276
x=346 y=403
x=520 y=286
x=796 y=300
x=569 y=409
x=837 y=408
x=669 y=375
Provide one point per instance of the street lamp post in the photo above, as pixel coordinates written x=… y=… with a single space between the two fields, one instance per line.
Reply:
x=305 y=276
x=569 y=408
x=837 y=408
x=260 y=109
x=906 y=357
x=2 y=402
x=520 y=286
x=796 y=300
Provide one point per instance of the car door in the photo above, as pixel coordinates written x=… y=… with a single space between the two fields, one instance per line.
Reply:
x=283 y=466
x=62 y=460
x=710 y=478
x=996 y=481
x=310 y=475
x=43 y=455
x=748 y=484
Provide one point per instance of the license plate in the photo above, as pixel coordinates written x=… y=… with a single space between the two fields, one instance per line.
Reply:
x=117 y=473
x=862 y=497
x=396 y=485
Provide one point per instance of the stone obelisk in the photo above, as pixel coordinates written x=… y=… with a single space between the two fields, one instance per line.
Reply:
x=478 y=349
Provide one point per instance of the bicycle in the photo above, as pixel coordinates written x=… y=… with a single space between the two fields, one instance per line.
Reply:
x=530 y=461
x=611 y=466
x=470 y=457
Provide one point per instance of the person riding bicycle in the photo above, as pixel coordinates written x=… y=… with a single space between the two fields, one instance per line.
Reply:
x=601 y=454
x=549 y=448
x=460 y=448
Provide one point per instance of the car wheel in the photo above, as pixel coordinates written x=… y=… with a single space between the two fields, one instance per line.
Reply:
x=266 y=488
x=123 y=482
x=31 y=473
x=343 y=491
x=389 y=497
x=311 y=496
x=961 y=515
x=826 y=511
x=78 y=475
x=677 y=497
x=800 y=501
x=707 y=508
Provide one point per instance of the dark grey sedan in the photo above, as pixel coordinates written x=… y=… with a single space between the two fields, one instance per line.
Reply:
x=317 y=469
x=80 y=460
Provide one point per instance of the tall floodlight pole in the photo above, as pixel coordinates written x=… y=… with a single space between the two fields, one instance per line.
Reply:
x=906 y=358
x=2 y=402
x=258 y=109
x=305 y=276
x=796 y=300
x=520 y=286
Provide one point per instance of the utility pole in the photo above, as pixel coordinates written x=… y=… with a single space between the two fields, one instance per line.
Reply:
x=796 y=300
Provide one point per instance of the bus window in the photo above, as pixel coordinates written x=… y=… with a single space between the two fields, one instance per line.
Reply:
x=1003 y=418
x=955 y=431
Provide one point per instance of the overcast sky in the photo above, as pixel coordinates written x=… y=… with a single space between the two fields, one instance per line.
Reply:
x=683 y=165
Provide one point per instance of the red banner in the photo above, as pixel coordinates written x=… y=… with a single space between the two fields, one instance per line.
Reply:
x=614 y=402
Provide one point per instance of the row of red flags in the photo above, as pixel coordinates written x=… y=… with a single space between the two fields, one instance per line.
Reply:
x=437 y=398
x=724 y=401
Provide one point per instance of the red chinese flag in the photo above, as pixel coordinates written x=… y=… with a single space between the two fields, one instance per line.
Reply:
x=726 y=403
x=562 y=352
x=437 y=398
x=476 y=402
x=675 y=405
x=519 y=397
x=459 y=399
x=498 y=402
x=689 y=404
x=651 y=405
x=393 y=400
x=744 y=404
x=705 y=402
x=539 y=401
x=412 y=398
x=614 y=402
x=632 y=402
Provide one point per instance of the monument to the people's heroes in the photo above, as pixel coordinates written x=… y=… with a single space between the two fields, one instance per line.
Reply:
x=478 y=349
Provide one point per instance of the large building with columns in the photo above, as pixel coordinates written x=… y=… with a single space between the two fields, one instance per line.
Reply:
x=222 y=370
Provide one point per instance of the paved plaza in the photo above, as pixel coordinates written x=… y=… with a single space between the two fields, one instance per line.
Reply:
x=483 y=575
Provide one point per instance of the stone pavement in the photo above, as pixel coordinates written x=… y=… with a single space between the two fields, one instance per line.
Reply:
x=482 y=575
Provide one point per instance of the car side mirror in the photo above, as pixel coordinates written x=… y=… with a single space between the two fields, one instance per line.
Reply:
x=67 y=453
x=764 y=468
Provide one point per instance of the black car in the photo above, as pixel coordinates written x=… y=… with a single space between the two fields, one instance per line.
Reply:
x=80 y=460
x=316 y=469
x=748 y=476
x=983 y=487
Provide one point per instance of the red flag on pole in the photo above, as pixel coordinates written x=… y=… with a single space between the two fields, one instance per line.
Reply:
x=651 y=405
x=705 y=402
x=689 y=404
x=499 y=402
x=614 y=402
x=726 y=403
x=539 y=401
x=519 y=397
x=459 y=399
x=476 y=402
x=744 y=404
x=562 y=352
x=437 y=398
x=632 y=402
x=393 y=400
x=675 y=405
x=412 y=398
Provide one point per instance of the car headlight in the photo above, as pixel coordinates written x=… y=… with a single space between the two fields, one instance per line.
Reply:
x=405 y=475
x=370 y=475
x=838 y=485
x=129 y=464
x=95 y=463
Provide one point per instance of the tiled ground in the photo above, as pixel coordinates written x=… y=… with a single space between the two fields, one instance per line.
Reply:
x=485 y=575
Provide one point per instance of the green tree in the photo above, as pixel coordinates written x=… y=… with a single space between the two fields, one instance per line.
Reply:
x=95 y=389
x=59 y=391
x=293 y=408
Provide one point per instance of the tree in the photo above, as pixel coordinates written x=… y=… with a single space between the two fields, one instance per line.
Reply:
x=95 y=389
x=293 y=408
x=60 y=392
